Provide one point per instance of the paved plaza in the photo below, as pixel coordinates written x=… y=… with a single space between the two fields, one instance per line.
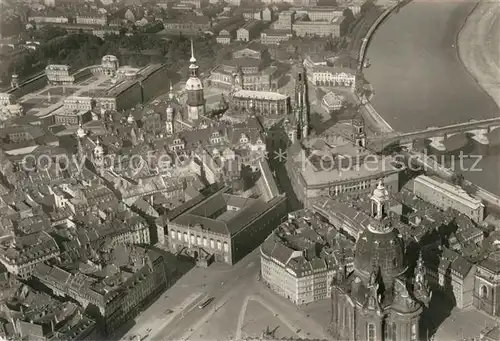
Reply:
x=242 y=306
x=258 y=318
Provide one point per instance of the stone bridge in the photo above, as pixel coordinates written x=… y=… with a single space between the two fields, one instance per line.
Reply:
x=478 y=130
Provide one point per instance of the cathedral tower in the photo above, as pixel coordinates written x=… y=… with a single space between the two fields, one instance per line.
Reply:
x=194 y=90
x=169 y=122
x=301 y=105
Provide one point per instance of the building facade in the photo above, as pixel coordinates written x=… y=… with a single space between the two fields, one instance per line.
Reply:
x=119 y=301
x=486 y=295
x=328 y=76
x=445 y=196
x=25 y=253
x=265 y=103
x=314 y=172
x=59 y=74
x=285 y=20
x=92 y=19
x=187 y=25
x=275 y=37
x=317 y=28
x=295 y=270
x=249 y=31
x=204 y=233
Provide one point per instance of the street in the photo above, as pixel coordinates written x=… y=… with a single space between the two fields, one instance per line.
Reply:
x=240 y=302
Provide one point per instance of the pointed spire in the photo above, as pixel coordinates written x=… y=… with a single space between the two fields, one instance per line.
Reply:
x=193 y=59
x=171 y=92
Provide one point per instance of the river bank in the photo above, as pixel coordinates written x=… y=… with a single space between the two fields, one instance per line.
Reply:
x=415 y=70
x=479 y=47
x=479 y=51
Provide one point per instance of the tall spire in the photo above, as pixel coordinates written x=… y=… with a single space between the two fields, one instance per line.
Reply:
x=171 y=94
x=193 y=59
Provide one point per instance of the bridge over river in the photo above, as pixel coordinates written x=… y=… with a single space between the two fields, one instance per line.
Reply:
x=477 y=129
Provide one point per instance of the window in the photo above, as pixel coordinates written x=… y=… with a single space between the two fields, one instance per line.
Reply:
x=172 y=233
x=219 y=245
x=205 y=242
x=390 y=331
x=212 y=243
x=226 y=247
x=413 y=332
x=371 y=332
x=483 y=291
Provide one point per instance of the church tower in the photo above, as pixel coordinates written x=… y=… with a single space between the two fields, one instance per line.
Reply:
x=359 y=135
x=98 y=155
x=169 y=122
x=80 y=134
x=194 y=89
x=301 y=105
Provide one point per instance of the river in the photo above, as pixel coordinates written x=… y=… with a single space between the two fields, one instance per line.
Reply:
x=420 y=82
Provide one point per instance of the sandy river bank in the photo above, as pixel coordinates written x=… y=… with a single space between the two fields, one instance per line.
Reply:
x=479 y=47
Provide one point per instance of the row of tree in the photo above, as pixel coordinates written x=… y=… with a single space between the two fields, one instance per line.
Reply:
x=81 y=49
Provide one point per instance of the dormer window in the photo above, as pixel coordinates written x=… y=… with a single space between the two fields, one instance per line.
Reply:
x=177 y=141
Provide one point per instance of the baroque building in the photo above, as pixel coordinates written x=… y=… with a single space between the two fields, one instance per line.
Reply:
x=379 y=300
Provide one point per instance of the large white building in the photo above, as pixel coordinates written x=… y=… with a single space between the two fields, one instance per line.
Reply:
x=295 y=266
x=445 y=196
x=59 y=74
x=266 y=103
x=329 y=76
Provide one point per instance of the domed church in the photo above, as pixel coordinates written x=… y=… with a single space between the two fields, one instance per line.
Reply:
x=380 y=300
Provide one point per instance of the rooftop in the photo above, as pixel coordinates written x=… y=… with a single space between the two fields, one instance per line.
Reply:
x=260 y=95
x=455 y=192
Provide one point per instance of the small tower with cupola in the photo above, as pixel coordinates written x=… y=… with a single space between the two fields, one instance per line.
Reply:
x=98 y=155
x=379 y=202
x=358 y=133
x=80 y=135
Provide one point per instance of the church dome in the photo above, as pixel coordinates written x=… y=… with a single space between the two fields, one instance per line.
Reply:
x=194 y=83
x=379 y=246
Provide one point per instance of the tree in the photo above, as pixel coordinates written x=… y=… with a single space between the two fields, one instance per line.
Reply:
x=367 y=6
